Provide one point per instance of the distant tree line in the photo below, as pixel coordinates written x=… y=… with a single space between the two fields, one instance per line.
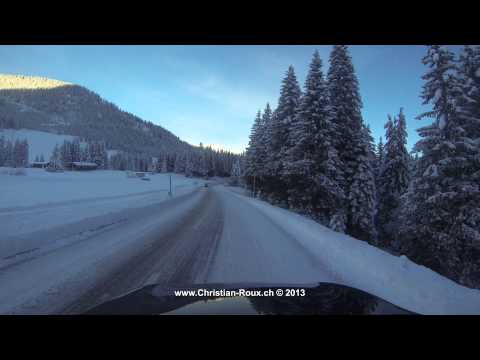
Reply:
x=13 y=153
x=198 y=162
x=315 y=154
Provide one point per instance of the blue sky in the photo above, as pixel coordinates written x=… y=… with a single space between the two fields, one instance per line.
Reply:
x=211 y=94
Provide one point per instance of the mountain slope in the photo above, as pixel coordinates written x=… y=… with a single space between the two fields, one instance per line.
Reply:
x=63 y=108
x=40 y=143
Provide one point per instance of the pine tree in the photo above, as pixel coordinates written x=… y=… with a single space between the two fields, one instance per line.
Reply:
x=311 y=160
x=252 y=157
x=278 y=132
x=66 y=154
x=379 y=156
x=25 y=148
x=19 y=154
x=393 y=181
x=105 y=156
x=256 y=154
x=189 y=164
x=353 y=145
x=371 y=145
x=3 y=151
x=236 y=171
x=468 y=92
x=262 y=149
x=16 y=153
x=164 y=165
x=56 y=156
x=76 y=150
x=85 y=154
x=446 y=191
x=9 y=155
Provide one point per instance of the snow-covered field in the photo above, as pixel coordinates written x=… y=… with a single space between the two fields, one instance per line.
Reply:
x=359 y=265
x=39 y=142
x=42 y=200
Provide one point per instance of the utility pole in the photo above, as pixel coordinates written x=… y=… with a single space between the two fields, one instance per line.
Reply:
x=170 y=192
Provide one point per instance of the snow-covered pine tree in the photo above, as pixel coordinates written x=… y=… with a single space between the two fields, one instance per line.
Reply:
x=17 y=153
x=183 y=163
x=446 y=191
x=37 y=159
x=55 y=158
x=9 y=156
x=312 y=160
x=3 y=152
x=379 y=156
x=84 y=154
x=105 y=155
x=99 y=155
x=236 y=171
x=383 y=183
x=278 y=129
x=26 y=151
x=176 y=165
x=20 y=153
x=164 y=164
x=252 y=168
x=468 y=92
x=66 y=154
x=393 y=181
x=262 y=149
x=189 y=164
x=371 y=145
x=76 y=150
x=353 y=145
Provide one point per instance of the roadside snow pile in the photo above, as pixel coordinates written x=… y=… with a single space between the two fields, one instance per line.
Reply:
x=39 y=142
x=359 y=265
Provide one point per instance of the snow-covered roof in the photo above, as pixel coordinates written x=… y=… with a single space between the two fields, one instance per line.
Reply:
x=84 y=163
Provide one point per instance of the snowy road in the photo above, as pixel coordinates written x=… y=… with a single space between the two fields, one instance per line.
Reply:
x=210 y=235
x=255 y=249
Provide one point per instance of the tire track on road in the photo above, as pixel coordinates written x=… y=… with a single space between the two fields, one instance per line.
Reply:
x=180 y=256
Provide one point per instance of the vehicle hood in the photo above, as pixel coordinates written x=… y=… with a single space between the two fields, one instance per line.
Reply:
x=218 y=299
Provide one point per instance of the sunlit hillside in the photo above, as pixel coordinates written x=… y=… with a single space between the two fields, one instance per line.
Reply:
x=8 y=81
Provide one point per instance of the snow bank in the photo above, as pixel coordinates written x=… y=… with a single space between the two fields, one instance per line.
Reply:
x=359 y=265
x=39 y=142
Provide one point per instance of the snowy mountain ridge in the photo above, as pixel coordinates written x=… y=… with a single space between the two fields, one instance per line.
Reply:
x=59 y=107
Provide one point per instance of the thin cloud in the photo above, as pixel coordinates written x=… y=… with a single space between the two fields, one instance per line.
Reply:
x=233 y=98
